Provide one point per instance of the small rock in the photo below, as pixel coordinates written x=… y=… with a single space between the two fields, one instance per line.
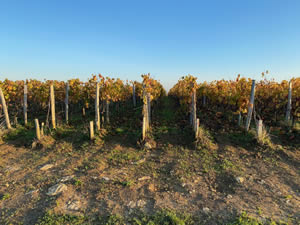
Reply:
x=239 y=179
x=229 y=196
x=140 y=203
x=46 y=167
x=105 y=178
x=140 y=161
x=11 y=169
x=73 y=205
x=261 y=182
x=56 y=189
x=148 y=145
x=144 y=178
x=32 y=192
x=206 y=210
x=66 y=178
x=131 y=204
x=33 y=145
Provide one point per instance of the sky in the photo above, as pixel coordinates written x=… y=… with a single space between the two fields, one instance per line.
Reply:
x=212 y=39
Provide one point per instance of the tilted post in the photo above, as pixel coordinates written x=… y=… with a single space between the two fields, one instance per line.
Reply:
x=240 y=119
x=52 y=102
x=250 y=107
x=107 y=111
x=25 y=104
x=97 y=106
x=67 y=102
x=91 y=130
x=259 y=129
x=149 y=108
x=37 y=129
x=5 y=109
x=144 y=128
x=197 y=128
x=194 y=111
x=289 y=104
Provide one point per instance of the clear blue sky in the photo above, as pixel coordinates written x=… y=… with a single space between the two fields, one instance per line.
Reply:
x=209 y=39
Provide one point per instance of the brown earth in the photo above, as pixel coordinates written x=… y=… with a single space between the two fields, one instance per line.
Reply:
x=119 y=178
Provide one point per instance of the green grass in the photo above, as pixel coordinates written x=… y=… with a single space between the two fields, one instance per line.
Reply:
x=4 y=196
x=118 y=157
x=21 y=136
x=242 y=138
x=163 y=217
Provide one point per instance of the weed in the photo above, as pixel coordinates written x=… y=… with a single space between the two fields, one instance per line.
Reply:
x=52 y=219
x=204 y=139
x=5 y=196
x=245 y=219
x=78 y=182
x=117 y=157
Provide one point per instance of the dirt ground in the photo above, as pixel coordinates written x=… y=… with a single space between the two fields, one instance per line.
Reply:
x=213 y=183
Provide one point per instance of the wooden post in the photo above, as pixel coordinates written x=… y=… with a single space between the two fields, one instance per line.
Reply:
x=5 y=109
x=67 y=102
x=97 y=107
x=144 y=128
x=191 y=112
x=52 y=100
x=260 y=129
x=194 y=111
x=42 y=129
x=149 y=108
x=133 y=95
x=107 y=111
x=240 y=119
x=91 y=130
x=37 y=129
x=289 y=104
x=250 y=107
x=25 y=104
x=83 y=111
x=197 y=128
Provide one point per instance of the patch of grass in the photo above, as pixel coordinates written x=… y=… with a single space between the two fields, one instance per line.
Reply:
x=118 y=157
x=52 y=219
x=21 y=136
x=245 y=219
x=163 y=217
x=204 y=139
x=4 y=196
x=225 y=165
x=114 y=220
x=126 y=183
x=242 y=138
x=170 y=218
x=208 y=159
x=78 y=182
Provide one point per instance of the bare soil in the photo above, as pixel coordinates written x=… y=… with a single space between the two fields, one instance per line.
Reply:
x=118 y=177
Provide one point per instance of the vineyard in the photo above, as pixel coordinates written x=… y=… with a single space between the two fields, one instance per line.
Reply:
x=108 y=151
